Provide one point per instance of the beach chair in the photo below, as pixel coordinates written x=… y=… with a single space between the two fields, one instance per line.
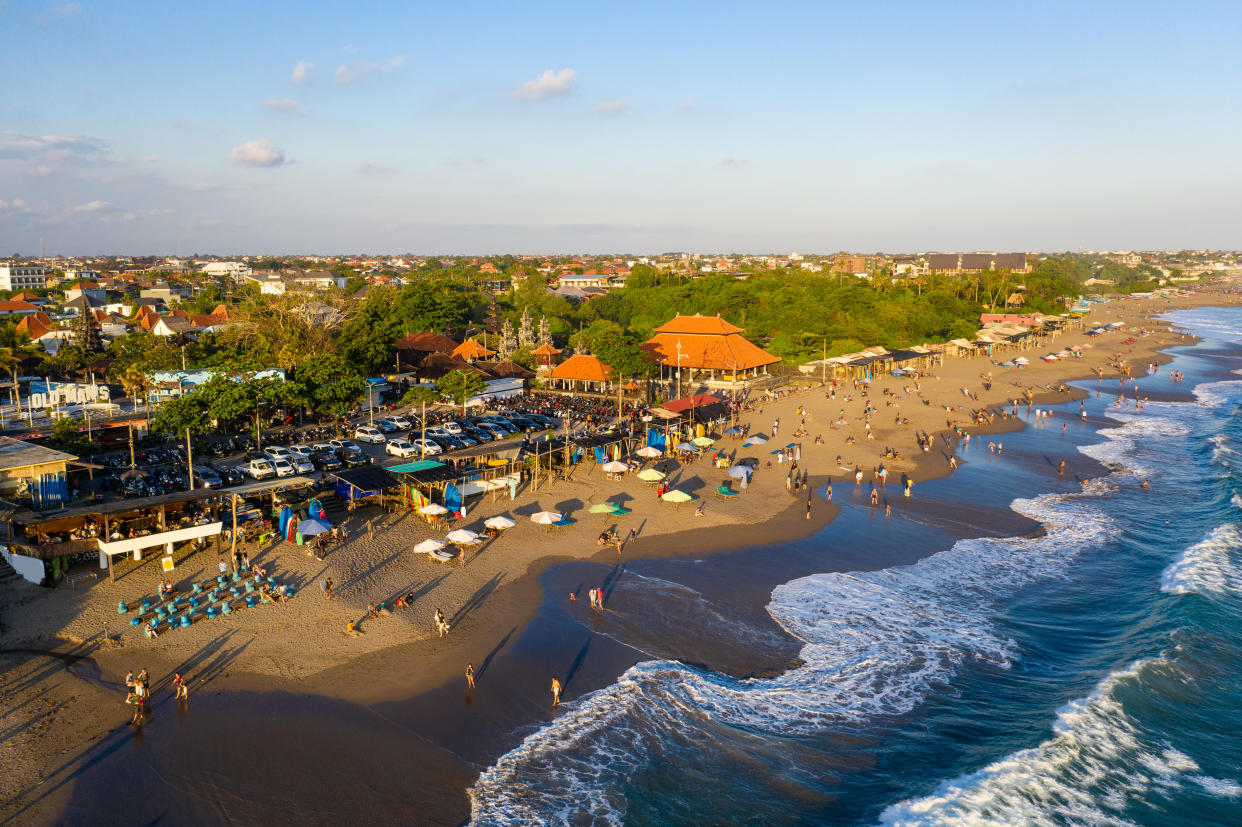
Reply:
x=564 y=522
x=619 y=511
x=724 y=492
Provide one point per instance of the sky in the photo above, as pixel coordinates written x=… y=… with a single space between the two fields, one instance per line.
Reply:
x=538 y=128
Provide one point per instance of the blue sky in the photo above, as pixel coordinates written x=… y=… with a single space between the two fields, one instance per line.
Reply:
x=469 y=127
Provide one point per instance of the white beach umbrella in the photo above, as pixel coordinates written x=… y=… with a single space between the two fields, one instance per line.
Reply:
x=615 y=467
x=546 y=517
x=428 y=546
x=462 y=536
x=432 y=509
x=498 y=523
x=650 y=452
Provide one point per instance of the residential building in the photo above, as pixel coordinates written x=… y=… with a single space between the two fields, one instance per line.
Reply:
x=22 y=277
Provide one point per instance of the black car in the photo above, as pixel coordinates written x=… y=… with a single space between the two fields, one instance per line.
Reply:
x=351 y=457
x=231 y=474
x=325 y=462
x=446 y=443
x=477 y=434
x=526 y=423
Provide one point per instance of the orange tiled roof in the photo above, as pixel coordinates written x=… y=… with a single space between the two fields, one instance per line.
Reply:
x=14 y=306
x=544 y=350
x=698 y=325
x=428 y=342
x=581 y=367
x=731 y=352
x=470 y=349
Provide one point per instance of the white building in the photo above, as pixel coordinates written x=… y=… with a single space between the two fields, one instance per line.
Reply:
x=233 y=269
x=22 y=277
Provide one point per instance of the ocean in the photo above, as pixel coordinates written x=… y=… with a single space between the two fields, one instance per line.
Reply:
x=1087 y=672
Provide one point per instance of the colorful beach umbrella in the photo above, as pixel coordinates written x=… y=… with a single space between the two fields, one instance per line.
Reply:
x=757 y=439
x=545 y=517
x=703 y=441
x=603 y=508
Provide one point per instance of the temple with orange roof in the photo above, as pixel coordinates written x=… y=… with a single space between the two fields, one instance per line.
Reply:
x=546 y=352
x=708 y=344
x=581 y=372
x=470 y=350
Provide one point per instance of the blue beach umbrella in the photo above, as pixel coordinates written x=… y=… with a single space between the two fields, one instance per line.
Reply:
x=732 y=431
x=740 y=471
x=311 y=527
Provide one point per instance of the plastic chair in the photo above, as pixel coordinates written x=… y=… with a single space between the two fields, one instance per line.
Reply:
x=135 y=621
x=121 y=608
x=226 y=608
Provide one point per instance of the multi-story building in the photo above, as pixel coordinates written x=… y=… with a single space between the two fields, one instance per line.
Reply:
x=22 y=277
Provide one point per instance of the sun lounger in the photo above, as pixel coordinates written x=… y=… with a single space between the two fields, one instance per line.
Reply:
x=563 y=522
x=725 y=492
x=621 y=512
x=441 y=555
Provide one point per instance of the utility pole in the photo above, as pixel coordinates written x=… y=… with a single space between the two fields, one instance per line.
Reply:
x=131 y=446
x=823 y=373
x=189 y=458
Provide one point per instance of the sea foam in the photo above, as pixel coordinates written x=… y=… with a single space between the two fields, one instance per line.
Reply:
x=1210 y=567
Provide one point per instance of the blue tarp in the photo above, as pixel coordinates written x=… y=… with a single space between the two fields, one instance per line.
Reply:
x=655 y=438
x=452 y=497
x=599 y=454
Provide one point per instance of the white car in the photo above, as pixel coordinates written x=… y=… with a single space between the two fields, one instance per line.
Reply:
x=276 y=452
x=261 y=469
x=303 y=451
x=301 y=464
x=453 y=428
x=401 y=448
x=284 y=468
x=425 y=447
x=437 y=431
x=366 y=433
x=401 y=422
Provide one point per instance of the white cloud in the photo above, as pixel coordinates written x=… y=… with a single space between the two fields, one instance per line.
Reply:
x=685 y=106
x=282 y=105
x=548 y=85
x=396 y=62
x=259 y=153
x=352 y=74
x=68 y=9
x=91 y=206
x=301 y=72
x=348 y=49
x=50 y=148
x=612 y=107
x=374 y=169
x=731 y=161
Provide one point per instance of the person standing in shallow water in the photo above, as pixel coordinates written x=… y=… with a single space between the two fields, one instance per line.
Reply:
x=556 y=692
x=470 y=675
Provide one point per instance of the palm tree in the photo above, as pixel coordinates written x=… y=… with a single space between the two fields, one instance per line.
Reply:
x=10 y=361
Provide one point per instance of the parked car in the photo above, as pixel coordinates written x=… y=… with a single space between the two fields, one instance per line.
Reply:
x=343 y=444
x=303 y=451
x=401 y=448
x=284 y=468
x=436 y=432
x=276 y=452
x=385 y=426
x=367 y=433
x=323 y=448
x=401 y=422
x=452 y=427
x=477 y=434
x=206 y=477
x=428 y=447
x=261 y=469
x=301 y=464
x=326 y=461
x=231 y=474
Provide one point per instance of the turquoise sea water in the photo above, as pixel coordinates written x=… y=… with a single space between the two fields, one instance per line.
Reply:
x=1087 y=674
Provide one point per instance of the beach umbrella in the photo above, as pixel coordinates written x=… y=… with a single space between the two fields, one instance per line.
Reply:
x=498 y=523
x=757 y=439
x=433 y=509
x=650 y=451
x=428 y=546
x=603 y=508
x=686 y=446
x=650 y=475
x=703 y=441
x=740 y=471
x=546 y=517
x=462 y=537
x=313 y=526
x=677 y=496
x=733 y=432
x=615 y=467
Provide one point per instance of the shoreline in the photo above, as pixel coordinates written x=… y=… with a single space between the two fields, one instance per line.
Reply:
x=515 y=604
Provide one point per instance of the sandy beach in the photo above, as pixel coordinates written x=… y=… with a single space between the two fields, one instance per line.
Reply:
x=64 y=653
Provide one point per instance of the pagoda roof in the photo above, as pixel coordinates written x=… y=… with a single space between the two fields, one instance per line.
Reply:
x=697 y=325
x=471 y=349
x=545 y=349
x=581 y=367
x=703 y=352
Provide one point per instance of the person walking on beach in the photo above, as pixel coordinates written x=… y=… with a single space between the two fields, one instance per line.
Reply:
x=327 y=588
x=808 y=504
x=470 y=675
x=183 y=691
x=556 y=692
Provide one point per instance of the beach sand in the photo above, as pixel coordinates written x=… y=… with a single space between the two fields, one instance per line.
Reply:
x=59 y=708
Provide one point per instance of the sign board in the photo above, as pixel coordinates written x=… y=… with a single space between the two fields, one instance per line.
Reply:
x=167 y=563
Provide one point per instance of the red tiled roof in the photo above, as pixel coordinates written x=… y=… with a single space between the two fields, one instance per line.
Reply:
x=14 y=306
x=544 y=350
x=470 y=349
x=427 y=342
x=581 y=367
